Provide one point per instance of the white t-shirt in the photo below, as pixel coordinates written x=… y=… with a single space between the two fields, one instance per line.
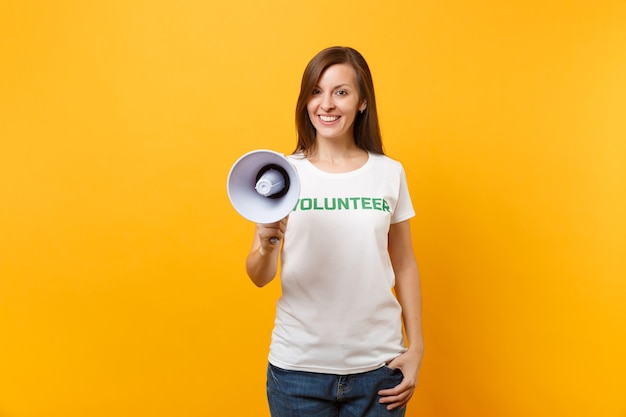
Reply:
x=337 y=313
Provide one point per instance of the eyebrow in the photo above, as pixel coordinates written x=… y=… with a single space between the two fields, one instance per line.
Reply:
x=336 y=87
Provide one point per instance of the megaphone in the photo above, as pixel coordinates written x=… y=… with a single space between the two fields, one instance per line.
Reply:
x=263 y=186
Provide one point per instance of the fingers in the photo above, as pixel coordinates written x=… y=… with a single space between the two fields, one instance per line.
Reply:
x=397 y=396
x=272 y=233
x=400 y=395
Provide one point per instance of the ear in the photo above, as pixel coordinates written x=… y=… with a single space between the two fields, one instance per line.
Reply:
x=363 y=106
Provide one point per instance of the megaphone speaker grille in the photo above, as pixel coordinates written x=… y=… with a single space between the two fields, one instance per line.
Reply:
x=283 y=175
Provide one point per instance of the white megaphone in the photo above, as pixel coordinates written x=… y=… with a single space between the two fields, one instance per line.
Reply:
x=263 y=186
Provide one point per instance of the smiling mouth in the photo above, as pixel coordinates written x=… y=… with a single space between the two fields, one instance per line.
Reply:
x=328 y=118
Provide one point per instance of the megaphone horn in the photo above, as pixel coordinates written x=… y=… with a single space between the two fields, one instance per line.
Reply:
x=263 y=186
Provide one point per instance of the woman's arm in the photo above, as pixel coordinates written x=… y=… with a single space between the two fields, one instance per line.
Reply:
x=409 y=296
x=262 y=261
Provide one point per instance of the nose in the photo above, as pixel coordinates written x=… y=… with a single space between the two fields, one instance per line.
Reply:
x=327 y=102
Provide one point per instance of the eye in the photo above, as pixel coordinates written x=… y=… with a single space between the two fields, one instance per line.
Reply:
x=341 y=93
x=316 y=91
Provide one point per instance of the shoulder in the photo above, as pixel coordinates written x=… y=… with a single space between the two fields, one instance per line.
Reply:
x=296 y=157
x=384 y=161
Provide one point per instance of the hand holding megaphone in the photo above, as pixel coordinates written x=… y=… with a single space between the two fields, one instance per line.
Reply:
x=272 y=233
x=263 y=187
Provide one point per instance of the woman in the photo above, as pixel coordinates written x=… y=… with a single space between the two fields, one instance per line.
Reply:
x=337 y=345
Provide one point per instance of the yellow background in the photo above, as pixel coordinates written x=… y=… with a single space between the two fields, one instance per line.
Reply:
x=122 y=289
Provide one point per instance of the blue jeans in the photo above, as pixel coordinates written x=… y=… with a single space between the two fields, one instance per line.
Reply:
x=309 y=394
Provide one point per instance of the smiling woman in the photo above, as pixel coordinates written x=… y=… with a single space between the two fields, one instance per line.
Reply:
x=338 y=245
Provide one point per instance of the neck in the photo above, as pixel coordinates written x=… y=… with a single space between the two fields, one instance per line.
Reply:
x=334 y=148
x=335 y=156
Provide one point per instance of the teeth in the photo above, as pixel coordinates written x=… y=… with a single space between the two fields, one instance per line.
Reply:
x=329 y=118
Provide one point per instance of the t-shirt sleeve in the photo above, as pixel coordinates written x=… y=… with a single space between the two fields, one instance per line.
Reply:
x=404 y=208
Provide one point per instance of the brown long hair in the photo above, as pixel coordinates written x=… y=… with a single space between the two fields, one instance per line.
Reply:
x=366 y=128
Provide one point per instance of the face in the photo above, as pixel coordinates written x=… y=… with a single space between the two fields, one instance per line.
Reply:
x=334 y=103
